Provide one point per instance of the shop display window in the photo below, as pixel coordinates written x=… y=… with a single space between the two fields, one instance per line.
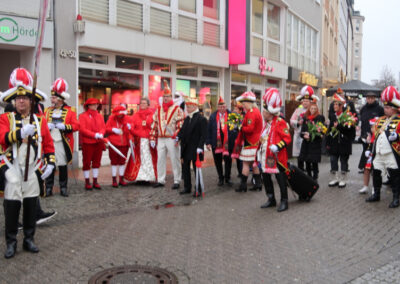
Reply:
x=93 y=58
x=236 y=91
x=129 y=62
x=160 y=67
x=156 y=89
x=239 y=77
x=186 y=70
x=210 y=73
x=111 y=88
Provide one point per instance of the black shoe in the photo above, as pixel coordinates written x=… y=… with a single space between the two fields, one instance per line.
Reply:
x=283 y=206
x=221 y=182
x=49 y=192
x=394 y=203
x=28 y=245
x=270 y=203
x=64 y=191
x=175 y=186
x=10 y=250
x=186 y=191
x=373 y=198
x=44 y=217
x=158 y=184
x=228 y=182
x=387 y=182
x=243 y=184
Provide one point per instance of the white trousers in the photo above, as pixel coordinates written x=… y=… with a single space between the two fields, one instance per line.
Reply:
x=17 y=189
x=168 y=145
x=61 y=157
x=384 y=162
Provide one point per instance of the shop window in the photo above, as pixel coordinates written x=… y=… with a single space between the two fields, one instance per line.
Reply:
x=160 y=67
x=160 y=22
x=211 y=9
x=111 y=88
x=129 y=62
x=156 y=89
x=187 y=29
x=187 y=5
x=257 y=16
x=211 y=34
x=93 y=58
x=274 y=51
x=164 y=2
x=239 y=77
x=236 y=91
x=129 y=15
x=273 y=17
x=210 y=73
x=256 y=80
x=186 y=70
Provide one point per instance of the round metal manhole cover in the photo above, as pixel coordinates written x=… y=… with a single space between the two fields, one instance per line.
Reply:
x=134 y=274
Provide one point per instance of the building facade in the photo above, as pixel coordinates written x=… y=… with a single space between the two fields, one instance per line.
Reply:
x=358 y=21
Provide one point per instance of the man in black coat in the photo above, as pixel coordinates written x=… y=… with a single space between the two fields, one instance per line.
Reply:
x=220 y=140
x=192 y=137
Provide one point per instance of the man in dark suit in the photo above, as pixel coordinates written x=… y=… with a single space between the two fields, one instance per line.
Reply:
x=220 y=140
x=192 y=137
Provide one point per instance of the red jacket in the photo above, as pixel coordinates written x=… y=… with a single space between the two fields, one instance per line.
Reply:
x=120 y=123
x=8 y=137
x=251 y=129
x=281 y=138
x=91 y=122
x=141 y=123
x=71 y=125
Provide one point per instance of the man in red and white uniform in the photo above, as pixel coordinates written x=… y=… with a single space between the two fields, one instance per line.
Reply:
x=117 y=129
x=15 y=128
x=386 y=147
x=92 y=130
x=246 y=143
x=272 y=153
x=167 y=121
x=62 y=123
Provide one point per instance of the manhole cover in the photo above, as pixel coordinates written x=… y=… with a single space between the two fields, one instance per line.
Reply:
x=134 y=274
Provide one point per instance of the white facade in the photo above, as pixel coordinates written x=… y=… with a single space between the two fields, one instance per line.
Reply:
x=358 y=21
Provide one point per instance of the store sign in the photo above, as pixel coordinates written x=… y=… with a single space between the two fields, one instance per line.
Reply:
x=307 y=78
x=23 y=31
x=262 y=65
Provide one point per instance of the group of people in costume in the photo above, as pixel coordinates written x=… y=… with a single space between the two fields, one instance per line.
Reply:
x=177 y=129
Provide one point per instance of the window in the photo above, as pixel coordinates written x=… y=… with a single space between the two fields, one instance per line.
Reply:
x=257 y=46
x=160 y=22
x=164 y=2
x=160 y=67
x=210 y=73
x=94 y=10
x=93 y=58
x=356 y=52
x=156 y=88
x=211 y=34
x=274 y=51
x=186 y=70
x=129 y=62
x=187 y=5
x=239 y=77
x=129 y=15
x=211 y=9
x=257 y=16
x=187 y=28
x=273 y=17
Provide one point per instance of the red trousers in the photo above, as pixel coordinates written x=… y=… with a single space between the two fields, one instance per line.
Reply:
x=117 y=160
x=91 y=154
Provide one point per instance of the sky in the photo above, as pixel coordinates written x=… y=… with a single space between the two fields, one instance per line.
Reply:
x=381 y=37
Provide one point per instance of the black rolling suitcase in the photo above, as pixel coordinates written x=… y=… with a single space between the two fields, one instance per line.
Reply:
x=301 y=183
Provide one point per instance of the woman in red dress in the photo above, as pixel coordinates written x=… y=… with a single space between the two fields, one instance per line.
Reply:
x=143 y=165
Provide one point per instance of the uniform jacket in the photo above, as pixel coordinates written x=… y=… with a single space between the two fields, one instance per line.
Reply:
x=116 y=139
x=166 y=124
x=91 y=122
x=192 y=136
x=68 y=117
x=250 y=133
x=141 y=123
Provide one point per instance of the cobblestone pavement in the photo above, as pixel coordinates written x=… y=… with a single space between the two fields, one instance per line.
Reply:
x=223 y=238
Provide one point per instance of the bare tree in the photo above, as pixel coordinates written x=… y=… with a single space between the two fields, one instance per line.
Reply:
x=387 y=78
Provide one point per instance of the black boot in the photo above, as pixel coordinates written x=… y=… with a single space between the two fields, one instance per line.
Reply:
x=377 y=182
x=395 y=202
x=63 y=177
x=271 y=201
x=395 y=181
x=243 y=184
x=257 y=184
x=11 y=214
x=50 y=183
x=283 y=206
x=315 y=171
x=29 y=218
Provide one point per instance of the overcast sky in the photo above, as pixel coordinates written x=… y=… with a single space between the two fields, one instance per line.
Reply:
x=381 y=37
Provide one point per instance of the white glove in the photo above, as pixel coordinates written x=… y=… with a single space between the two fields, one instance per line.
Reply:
x=51 y=126
x=60 y=126
x=369 y=161
x=367 y=153
x=128 y=125
x=27 y=130
x=47 y=172
x=274 y=148
x=392 y=136
x=98 y=136
x=176 y=139
x=199 y=150
x=153 y=144
x=117 y=131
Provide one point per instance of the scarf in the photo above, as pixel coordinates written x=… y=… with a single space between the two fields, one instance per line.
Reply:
x=166 y=106
x=311 y=117
x=144 y=113
x=222 y=146
x=270 y=157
